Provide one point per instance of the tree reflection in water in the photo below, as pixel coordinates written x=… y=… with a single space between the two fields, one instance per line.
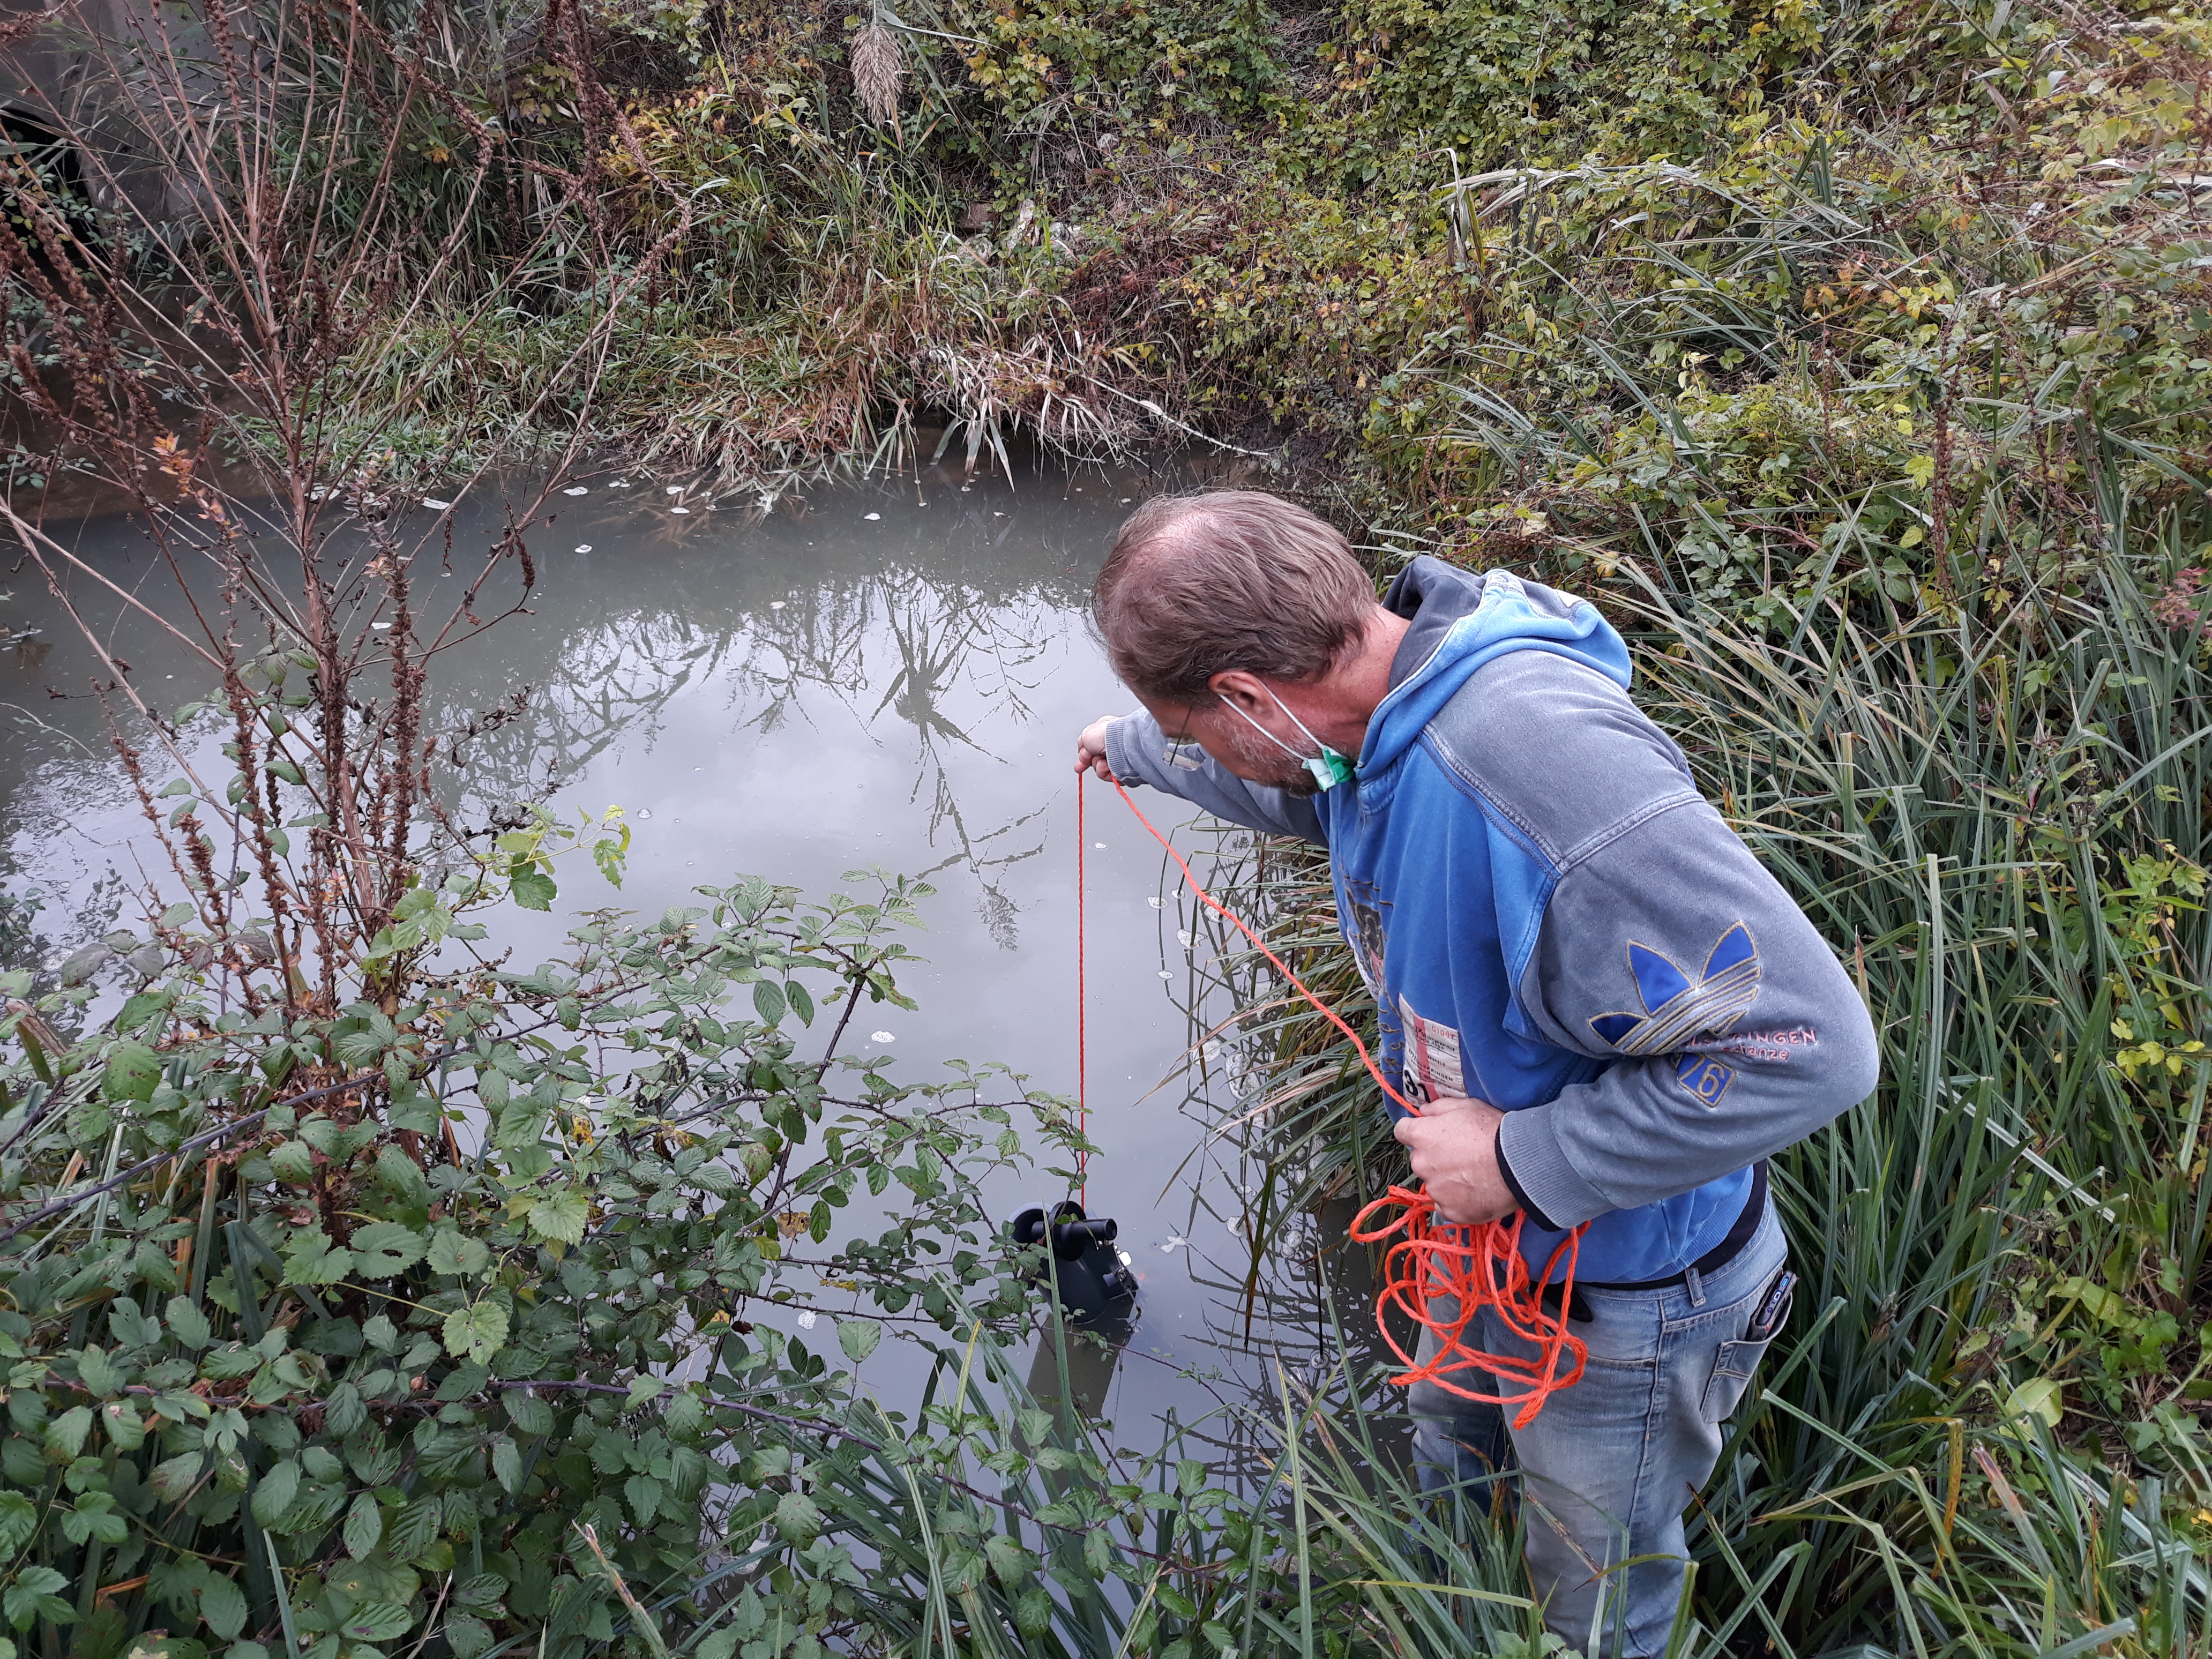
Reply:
x=937 y=653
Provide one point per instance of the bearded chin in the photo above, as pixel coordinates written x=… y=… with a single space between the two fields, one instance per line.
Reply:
x=1277 y=769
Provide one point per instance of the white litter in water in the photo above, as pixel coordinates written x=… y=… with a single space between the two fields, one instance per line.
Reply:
x=871 y=516
x=379 y=625
x=881 y=1036
x=576 y=489
x=1164 y=973
x=1100 y=845
x=1126 y=500
x=644 y=811
x=436 y=506
x=619 y=484
x=806 y=1320
x=676 y=490
x=1154 y=901
x=998 y=516
x=964 y=489
x=776 y=604
x=680 y=509
x=1183 y=935
x=1175 y=1241
x=583 y=547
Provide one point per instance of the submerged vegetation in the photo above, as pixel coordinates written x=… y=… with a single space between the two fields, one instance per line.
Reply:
x=369 y=1297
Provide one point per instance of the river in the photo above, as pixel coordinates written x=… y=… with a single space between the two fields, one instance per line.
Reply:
x=886 y=673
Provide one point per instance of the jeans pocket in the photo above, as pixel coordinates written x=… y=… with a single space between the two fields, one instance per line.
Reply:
x=1734 y=1366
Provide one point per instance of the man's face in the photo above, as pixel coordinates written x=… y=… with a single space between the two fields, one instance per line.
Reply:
x=1234 y=745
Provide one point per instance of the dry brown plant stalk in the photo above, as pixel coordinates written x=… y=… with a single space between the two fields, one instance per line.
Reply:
x=192 y=330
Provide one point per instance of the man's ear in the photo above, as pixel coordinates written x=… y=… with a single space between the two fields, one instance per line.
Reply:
x=1241 y=688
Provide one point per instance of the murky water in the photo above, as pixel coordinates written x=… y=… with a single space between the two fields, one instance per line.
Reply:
x=888 y=673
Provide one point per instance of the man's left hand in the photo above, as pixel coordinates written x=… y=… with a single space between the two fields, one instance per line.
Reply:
x=1455 y=1147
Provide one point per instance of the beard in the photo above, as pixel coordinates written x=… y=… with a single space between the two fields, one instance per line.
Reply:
x=1263 y=763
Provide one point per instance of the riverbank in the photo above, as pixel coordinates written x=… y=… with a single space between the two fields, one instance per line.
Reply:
x=1852 y=358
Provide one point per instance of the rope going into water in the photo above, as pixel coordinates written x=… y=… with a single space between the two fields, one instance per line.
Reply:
x=1475 y=1266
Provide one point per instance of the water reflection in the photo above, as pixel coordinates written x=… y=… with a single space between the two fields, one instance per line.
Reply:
x=930 y=666
x=891 y=677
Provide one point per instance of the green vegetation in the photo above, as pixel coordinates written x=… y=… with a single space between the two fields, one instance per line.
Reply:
x=1852 y=356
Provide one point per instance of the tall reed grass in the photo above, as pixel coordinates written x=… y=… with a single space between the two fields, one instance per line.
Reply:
x=1985 y=1436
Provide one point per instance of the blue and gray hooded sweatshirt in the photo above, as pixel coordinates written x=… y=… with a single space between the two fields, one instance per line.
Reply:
x=1553 y=921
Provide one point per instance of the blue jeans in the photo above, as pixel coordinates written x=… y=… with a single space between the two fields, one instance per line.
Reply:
x=1607 y=1468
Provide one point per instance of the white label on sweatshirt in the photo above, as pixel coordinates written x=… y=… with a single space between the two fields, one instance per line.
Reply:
x=1432 y=1070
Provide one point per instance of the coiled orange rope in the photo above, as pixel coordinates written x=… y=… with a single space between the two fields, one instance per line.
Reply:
x=1476 y=1266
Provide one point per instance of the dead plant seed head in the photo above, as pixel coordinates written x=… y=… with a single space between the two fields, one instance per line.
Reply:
x=878 y=66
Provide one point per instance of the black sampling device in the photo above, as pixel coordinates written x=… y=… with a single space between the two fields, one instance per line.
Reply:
x=1084 y=1267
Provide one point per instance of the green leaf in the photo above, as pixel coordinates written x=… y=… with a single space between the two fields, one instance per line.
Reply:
x=65 y=1434
x=2040 y=1397
x=275 y=1491
x=858 y=1337
x=797 y=1520
x=98 y=1373
x=561 y=1217
x=528 y=1412
x=476 y=1332
x=506 y=1464
x=802 y=1003
x=1013 y=1564
x=482 y=1590
x=32 y=1597
x=133 y=1072
x=275 y=1494
x=454 y=1253
x=188 y=1324
x=222 y=1604
x=19 y=1519
x=377 y=1621
x=685 y=1414
x=768 y=1000
x=532 y=888
x=644 y=1388
x=467 y=1634
x=364 y=1527
x=644 y=1494
x=382 y=1249
x=402 y=1175
x=174 y=1480
x=125 y=1428
x=717 y=1644
x=309 y=1259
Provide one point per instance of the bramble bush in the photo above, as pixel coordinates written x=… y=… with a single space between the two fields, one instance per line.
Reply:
x=286 y=1360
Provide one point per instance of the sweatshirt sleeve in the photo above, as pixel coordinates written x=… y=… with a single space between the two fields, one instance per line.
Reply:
x=1139 y=752
x=1735 y=1030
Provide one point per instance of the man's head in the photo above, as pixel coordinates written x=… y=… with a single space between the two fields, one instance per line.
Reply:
x=1230 y=610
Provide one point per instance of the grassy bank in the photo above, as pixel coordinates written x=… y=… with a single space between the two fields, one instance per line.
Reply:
x=1852 y=356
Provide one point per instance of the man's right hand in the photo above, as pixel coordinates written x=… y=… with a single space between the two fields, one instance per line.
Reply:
x=1091 y=748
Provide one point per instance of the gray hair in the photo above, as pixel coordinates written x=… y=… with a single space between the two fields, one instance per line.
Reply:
x=1226 y=579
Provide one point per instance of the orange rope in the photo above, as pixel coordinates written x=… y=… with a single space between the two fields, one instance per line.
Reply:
x=1082 y=1011
x=1477 y=1267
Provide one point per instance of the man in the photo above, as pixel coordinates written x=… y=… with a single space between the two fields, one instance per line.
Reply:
x=1606 y=1011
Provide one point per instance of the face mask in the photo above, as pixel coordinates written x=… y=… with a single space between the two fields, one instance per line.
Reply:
x=1328 y=767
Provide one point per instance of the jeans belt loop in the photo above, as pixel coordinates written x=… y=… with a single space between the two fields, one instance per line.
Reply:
x=1694 y=1282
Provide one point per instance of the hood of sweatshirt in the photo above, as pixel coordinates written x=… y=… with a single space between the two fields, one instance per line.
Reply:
x=1463 y=620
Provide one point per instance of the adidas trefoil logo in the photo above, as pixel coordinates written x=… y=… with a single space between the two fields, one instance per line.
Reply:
x=1678 y=1009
